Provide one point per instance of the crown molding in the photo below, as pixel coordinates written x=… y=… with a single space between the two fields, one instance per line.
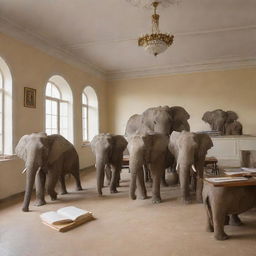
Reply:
x=35 y=40
x=108 y=41
x=213 y=65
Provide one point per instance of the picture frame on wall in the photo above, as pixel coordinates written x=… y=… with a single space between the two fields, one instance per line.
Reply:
x=29 y=97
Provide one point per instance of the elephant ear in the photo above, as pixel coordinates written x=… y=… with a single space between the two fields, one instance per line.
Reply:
x=207 y=117
x=20 y=149
x=178 y=113
x=57 y=146
x=120 y=142
x=231 y=116
x=204 y=144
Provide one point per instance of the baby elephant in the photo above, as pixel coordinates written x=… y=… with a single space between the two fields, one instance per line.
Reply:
x=108 y=150
x=222 y=201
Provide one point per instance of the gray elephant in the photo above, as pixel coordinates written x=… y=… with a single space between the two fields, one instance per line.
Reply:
x=248 y=158
x=52 y=155
x=190 y=150
x=221 y=201
x=216 y=119
x=147 y=149
x=234 y=128
x=162 y=120
x=108 y=150
x=223 y=121
x=159 y=120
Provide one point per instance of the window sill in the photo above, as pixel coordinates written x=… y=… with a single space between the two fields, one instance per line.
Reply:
x=4 y=158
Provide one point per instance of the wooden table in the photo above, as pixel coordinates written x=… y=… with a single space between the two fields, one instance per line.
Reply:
x=250 y=182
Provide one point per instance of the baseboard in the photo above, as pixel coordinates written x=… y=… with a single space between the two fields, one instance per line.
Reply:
x=21 y=194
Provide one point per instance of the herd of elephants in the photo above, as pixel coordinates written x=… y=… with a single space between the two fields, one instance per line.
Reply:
x=156 y=140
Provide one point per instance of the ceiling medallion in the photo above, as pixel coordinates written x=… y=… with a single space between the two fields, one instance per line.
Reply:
x=156 y=42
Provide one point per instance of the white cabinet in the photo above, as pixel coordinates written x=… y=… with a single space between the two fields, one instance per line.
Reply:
x=227 y=148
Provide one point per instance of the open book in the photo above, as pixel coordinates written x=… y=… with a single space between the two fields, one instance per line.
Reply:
x=225 y=179
x=240 y=171
x=65 y=215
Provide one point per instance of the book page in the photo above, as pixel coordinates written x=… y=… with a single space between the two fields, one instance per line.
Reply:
x=54 y=218
x=226 y=179
x=251 y=170
x=73 y=213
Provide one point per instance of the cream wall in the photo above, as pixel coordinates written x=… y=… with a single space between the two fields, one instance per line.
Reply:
x=196 y=92
x=31 y=67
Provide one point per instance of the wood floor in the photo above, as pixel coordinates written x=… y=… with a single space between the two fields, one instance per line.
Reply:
x=122 y=227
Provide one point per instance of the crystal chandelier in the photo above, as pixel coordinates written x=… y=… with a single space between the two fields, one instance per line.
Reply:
x=156 y=42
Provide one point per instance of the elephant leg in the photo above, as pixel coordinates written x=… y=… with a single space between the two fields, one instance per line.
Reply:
x=218 y=223
x=108 y=174
x=199 y=189
x=53 y=177
x=163 y=180
x=118 y=178
x=141 y=185
x=156 y=176
x=114 y=180
x=63 y=185
x=235 y=220
x=147 y=175
x=40 y=188
x=76 y=176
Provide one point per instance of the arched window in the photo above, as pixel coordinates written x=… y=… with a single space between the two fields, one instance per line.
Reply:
x=5 y=109
x=58 y=108
x=90 y=114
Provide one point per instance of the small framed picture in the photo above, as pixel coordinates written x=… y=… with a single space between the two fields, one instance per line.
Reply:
x=29 y=97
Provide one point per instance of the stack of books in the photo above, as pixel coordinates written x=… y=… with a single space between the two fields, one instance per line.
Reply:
x=66 y=218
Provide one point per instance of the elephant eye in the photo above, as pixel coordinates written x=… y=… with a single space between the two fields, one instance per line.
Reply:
x=154 y=122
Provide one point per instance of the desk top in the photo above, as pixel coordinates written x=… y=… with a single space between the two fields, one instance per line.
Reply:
x=250 y=182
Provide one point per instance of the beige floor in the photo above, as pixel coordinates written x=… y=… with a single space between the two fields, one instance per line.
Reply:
x=123 y=227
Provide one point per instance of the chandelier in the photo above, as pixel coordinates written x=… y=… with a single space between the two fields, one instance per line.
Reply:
x=156 y=42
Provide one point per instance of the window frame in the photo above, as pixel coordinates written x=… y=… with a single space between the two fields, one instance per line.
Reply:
x=3 y=92
x=58 y=101
x=86 y=107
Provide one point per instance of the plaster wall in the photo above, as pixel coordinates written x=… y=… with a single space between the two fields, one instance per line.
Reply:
x=31 y=67
x=196 y=92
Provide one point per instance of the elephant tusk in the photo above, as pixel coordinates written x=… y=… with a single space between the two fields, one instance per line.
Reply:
x=193 y=167
x=38 y=170
x=177 y=167
x=24 y=171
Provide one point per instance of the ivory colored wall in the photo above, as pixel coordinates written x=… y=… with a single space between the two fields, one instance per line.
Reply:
x=196 y=92
x=31 y=67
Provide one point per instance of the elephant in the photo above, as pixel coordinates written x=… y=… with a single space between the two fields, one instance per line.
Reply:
x=221 y=201
x=189 y=150
x=52 y=155
x=159 y=120
x=147 y=149
x=216 y=119
x=224 y=122
x=233 y=128
x=108 y=149
x=248 y=158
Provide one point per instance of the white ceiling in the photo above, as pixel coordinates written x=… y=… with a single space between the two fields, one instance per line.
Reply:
x=101 y=34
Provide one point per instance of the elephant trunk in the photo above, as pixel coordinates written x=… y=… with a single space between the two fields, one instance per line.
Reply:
x=100 y=173
x=30 y=180
x=184 y=175
x=31 y=169
x=136 y=166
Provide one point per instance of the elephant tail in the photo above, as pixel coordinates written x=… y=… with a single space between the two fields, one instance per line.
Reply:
x=208 y=209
